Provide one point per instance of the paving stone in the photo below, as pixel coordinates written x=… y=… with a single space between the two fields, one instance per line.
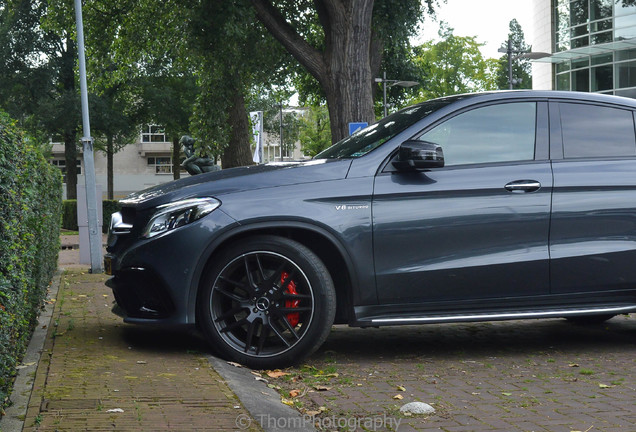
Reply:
x=93 y=363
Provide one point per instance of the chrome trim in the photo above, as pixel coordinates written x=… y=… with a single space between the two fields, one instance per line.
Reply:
x=508 y=315
x=117 y=225
x=530 y=185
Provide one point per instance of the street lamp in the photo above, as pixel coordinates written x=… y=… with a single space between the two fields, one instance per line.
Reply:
x=392 y=83
x=520 y=54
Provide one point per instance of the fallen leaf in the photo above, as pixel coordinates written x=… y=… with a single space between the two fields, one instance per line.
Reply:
x=287 y=401
x=400 y=388
x=115 y=410
x=573 y=365
x=506 y=394
x=312 y=413
x=275 y=387
x=294 y=393
x=257 y=378
x=322 y=388
x=398 y=397
x=141 y=362
x=25 y=365
x=238 y=365
x=605 y=386
x=276 y=374
x=475 y=393
x=256 y=373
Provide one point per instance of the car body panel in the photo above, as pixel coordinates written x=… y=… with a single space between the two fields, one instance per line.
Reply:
x=447 y=244
x=593 y=230
x=458 y=233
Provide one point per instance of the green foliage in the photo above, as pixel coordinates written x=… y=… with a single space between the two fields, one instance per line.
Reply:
x=69 y=214
x=521 y=67
x=453 y=65
x=270 y=103
x=315 y=132
x=30 y=211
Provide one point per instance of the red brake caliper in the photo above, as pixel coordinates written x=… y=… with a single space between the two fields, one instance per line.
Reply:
x=293 y=317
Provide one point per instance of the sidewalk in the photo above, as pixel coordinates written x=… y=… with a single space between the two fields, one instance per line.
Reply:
x=97 y=373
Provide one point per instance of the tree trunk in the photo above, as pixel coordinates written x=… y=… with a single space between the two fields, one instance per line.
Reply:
x=70 y=156
x=238 y=151
x=344 y=68
x=176 y=158
x=110 y=151
x=67 y=78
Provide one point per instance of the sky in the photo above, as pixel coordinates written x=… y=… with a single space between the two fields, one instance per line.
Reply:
x=486 y=19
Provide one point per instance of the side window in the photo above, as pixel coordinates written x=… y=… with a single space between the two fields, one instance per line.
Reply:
x=494 y=133
x=596 y=131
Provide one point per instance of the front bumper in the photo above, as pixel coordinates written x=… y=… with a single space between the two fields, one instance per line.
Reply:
x=155 y=281
x=140 y=293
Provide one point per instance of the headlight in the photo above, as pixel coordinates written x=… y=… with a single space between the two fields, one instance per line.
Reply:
x=174 y=215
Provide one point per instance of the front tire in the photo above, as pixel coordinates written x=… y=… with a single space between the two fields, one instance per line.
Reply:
x=267 y=302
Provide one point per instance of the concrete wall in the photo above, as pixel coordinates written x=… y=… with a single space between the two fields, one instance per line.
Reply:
x=543 y=37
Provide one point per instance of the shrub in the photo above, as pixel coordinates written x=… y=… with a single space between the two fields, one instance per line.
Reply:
x=69 y=214
x=30 y=214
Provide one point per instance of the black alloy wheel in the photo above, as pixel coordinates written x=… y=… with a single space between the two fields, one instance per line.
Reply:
x=267 y=302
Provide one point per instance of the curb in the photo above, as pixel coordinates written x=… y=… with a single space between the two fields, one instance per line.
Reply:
x=13 y=421
x=262 y=402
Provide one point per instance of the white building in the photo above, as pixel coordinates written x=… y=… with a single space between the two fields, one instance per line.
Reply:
x=592 y=45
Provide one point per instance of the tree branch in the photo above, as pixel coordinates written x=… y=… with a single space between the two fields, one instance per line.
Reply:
x=307 y=55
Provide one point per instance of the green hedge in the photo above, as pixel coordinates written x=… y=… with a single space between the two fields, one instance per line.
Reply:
x=30 y=213
x=69 y=213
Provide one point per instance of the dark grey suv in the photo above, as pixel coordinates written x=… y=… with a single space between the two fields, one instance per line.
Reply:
x=489 y=206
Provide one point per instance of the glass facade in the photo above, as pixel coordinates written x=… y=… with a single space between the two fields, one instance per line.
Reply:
x=595 y=46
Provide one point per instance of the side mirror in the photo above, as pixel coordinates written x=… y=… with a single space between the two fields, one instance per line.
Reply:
x=415 y=154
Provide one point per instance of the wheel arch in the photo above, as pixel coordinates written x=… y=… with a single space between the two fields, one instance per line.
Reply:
x=319 y=240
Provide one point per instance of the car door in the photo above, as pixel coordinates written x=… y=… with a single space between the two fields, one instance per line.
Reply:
x=593 y=229
x=477 y=228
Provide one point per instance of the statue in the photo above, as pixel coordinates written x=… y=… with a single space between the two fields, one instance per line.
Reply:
x=193 y=163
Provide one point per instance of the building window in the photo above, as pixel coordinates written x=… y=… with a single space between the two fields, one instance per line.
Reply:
x=160 y=164
x=153 y=133
x=61 y=164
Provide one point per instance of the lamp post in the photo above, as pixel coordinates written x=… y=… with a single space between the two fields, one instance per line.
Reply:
x=392 y=83
x=520 y=54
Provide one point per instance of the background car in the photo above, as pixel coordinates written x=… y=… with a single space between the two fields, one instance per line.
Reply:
x=502 y=205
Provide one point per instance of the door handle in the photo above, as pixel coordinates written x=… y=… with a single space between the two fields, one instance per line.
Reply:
x=520 y=186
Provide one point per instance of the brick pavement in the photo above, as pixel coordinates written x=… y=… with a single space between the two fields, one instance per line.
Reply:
x=93 y=364
x=547 y=375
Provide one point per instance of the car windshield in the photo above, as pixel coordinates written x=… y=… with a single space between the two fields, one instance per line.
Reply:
x=372 y=137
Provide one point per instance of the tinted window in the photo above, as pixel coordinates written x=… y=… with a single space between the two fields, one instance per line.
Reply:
x=595 y=131
x=495 y=133
x=374 y=136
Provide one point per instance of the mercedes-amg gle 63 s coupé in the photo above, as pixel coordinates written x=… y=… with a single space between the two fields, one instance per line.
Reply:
x=491 y=206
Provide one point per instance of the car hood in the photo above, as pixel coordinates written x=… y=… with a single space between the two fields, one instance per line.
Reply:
x=219 y=183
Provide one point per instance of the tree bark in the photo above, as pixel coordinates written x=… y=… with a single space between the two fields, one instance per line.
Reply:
x=345 y=68
x=110 y=151
x=67 y=79
x=70 y=158
x=176 y=159
x=238 y=151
